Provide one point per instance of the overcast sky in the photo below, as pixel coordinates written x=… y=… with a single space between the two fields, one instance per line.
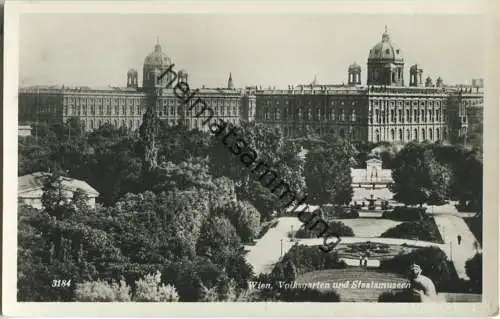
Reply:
x=267 y=50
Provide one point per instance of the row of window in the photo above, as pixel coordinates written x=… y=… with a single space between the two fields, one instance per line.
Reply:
x=306 y=102
x=339 y=115
x=81 y=101
x=82 y=110
x=425 y=135
x=416 y=116
x=99 y=100
x=414 y=103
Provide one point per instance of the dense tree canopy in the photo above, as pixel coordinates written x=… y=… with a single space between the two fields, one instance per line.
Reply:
x=433 y=173
x=328 y=175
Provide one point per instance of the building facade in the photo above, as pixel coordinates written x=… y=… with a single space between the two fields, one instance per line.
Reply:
x=30 y=189
x=124 y=107
x=383 y=110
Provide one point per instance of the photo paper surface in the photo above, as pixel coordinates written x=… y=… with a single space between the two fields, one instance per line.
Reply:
x=216 y=159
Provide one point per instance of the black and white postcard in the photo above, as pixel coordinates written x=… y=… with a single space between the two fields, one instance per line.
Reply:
x=256 y=159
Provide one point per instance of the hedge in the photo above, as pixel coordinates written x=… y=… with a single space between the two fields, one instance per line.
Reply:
x=305 y=259
x=434 y=264
x=405 y=214
x=334 y=227
x=415 y=230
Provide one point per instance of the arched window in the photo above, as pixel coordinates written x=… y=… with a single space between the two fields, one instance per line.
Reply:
x=415 y=134
x=92 y=124
x=431 y=116
x=408 y=114
x=423 y=134
x=130 y=124
x=415 y=115
x=437 y=115
x=100 y=123
x=392 y=134
x=123 y=123
x=377 y=116
x=437 y=135
x=400 y=134
x=195 y=123
x=116 y=124
x=408 y=136
x=377 y=136
x=430 y=134
x=422 y=116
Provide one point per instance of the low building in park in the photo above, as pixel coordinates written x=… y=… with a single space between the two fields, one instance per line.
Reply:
x=371 y=184
x=30 y=189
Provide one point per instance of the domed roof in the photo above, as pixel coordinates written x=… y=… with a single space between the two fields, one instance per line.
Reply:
x=385 y=50
x=354 y=66
x=157 y=58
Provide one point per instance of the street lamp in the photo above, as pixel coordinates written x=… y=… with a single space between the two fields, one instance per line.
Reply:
x=281 y=254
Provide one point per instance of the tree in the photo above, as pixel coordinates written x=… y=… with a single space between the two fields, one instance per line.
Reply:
x=271 y=149
x=328 y=175
x=149 y=132
x=244 y=217
x=218 y=239
x=418 y=177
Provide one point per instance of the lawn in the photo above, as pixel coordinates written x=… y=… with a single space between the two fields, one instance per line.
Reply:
x=369 y=227
x=350 y=294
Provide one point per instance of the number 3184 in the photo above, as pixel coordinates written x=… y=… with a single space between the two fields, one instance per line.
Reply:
x=58 y=283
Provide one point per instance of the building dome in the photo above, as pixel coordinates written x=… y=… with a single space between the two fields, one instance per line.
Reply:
x=385 y=50
x=132 y=71
x=157 y=58
x=354 y=67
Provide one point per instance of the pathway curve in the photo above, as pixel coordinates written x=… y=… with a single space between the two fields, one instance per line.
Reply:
x=450 y=226
x=267 y=251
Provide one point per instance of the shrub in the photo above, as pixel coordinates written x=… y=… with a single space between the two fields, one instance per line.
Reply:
x=368 y=247
x=334 y=227
x=101 y=291
x=474 y=269
x=432 y=260
x=149 y=289
x=146 y=289
x=306 y=259
x=405 y=214
x=350 y=215
x=416 y=230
